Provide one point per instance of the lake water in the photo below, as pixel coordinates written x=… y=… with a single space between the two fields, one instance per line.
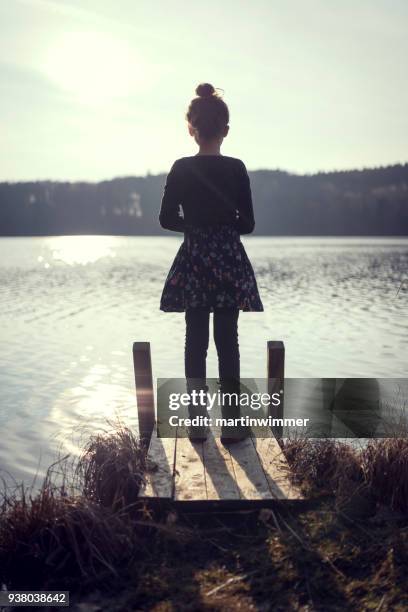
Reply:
x=72 y=306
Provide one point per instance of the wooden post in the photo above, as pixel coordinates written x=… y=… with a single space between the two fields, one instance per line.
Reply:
x=276 y=380
x=142 y=365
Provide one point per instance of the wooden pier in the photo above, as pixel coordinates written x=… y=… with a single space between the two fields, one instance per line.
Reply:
x=208 y=474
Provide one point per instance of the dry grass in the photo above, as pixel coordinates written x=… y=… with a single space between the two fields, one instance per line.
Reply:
x=320 y=464
x=385 y=467
x=380 y=468
x=51 y=535
x=111 y=468
x=101 y=538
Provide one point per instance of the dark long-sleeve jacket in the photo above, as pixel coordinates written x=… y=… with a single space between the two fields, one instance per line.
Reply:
x=209 y=190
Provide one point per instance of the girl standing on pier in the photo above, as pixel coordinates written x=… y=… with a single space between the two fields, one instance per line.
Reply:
x=207 y=196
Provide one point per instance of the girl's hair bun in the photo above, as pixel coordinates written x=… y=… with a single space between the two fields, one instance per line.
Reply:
x=207 y=113
x=205 y=90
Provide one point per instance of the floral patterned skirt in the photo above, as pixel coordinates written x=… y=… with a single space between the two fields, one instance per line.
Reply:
x=211 y=270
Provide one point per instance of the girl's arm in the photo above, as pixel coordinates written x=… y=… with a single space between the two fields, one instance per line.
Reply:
x=246 y=220
x=169 y=216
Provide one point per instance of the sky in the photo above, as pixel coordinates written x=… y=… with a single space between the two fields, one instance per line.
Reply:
x=95 y=89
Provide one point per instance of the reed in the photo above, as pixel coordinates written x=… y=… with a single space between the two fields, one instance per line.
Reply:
x=385 y=467
x=380 y=468
x=111 y=468
x=80 y=523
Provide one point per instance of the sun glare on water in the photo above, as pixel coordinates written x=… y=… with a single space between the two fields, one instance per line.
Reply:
x=94 y=67
x=81 y=249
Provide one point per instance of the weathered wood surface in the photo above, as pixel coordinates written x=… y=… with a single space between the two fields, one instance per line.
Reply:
x=275 y=372
x=219 y=471
x=276 y=468
x=142 y=365
x=160 y=468
x=250 y=477
x=252 y=469
x=189 y=480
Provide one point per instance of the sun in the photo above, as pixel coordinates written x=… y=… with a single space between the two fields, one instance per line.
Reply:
x=94 y=67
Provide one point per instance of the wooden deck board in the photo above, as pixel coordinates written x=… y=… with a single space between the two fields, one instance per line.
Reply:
x=189 y=481
x=276 y=468
x=159 y=481
x=250 y=477
x=219 y=471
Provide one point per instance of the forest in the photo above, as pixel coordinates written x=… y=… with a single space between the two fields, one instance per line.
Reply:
x=368 y=202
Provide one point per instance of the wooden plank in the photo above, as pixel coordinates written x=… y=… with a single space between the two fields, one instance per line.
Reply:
x=249 y=475
x=142 y=365
x=189 y=480
x=159 y=479
x=276 y=359
x=276 y=379
x=276 y=468
x=219 y=472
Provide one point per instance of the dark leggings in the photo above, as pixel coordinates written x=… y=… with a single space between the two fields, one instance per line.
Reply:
x=225 y=338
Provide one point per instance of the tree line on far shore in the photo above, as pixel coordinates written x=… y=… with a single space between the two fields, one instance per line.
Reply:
x=355 y=202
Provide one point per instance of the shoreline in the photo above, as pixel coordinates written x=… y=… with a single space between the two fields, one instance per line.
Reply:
x=113 y=552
